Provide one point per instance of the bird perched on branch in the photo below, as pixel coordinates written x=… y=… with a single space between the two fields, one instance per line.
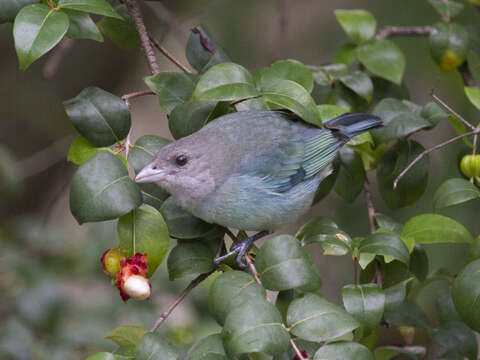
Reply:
x=252 y=170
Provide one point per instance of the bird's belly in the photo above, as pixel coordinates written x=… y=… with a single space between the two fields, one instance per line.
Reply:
x=244 y=202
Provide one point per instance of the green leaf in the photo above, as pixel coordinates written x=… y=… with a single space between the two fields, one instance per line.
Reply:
x=344 y=350
x=413 y=184
x=153 y=347
x=181 y=224
x=351 y=175
x=465 y=292
x=126 y=335
x=365 y=303
x=82 y=26
x=447 y=9
x=390 y=352
x=473 y=95
x=402 y=118
x=360 y=83
x=396 y=294
x=255 y=327
x=140 y=155
x=346 y=54
x=189 y=258
x=121 y=31
x=445 y=307
x=309 y=347
x=207 y=348
x=225 y=82
x=283 y=264
x=328 y=111
x=10 y=8
x=36 y=30
x=99 y=7
x=408 y=314
x=383 y=58
x=186 y=119
x=202 y=51
x=386 y=244
x=474 y=251
x=101 y=190
x=292 y=70
x=102 y=356
x=434 y=228
x=313 y=318
x=287 y=94
x=324 y=231
x=388 y=223
x=81 y=150
x=459 y=128
x=171 y=88
x=453 y=192
x=102 y=118
x=144 y=231
x=449 y=45
x=230 y=290
x=459 y=341
x=419 y=262
x=360 y=25
x=325 y=186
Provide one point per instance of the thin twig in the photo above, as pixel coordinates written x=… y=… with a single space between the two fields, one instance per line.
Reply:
x=450 y=110
x=426 y=152
x=370 y=207
x=295 y=347
x=136 y=15
x=179 y=299
x=394 y=31
x=135 y=94
x=165 y=52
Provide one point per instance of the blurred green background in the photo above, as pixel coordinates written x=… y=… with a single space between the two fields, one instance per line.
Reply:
x=55 y=301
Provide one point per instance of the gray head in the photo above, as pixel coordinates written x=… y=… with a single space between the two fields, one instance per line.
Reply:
x=183 y=168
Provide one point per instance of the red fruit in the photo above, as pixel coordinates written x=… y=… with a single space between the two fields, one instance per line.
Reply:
x=132 y=278
x=304 y=355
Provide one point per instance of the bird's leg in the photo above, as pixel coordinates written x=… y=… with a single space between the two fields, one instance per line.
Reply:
x=241 y=247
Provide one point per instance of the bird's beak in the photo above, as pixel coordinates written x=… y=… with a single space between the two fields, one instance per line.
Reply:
x=148 y=174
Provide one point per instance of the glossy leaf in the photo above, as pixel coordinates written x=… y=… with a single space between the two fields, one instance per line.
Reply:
x=453 y=192
x=412 y=185
x=101 y=190
x=103 y=356
x=392 y=352
x=344 y=350
x=181 y=224
x=386 y=244
x=10 y=8
x=283 y=264
x=230 y=290
x=473 y=94
x=287 y=94
x=365 y=303
x=225 y=82
x=459 y=128
x=99 y=7
x=434 y=228
x=408 y=314
x=448 y=9
x=154 y=347
x=189 y=258
x=419 y=262
x=465 y=292
x=383 y=58
x=326 y=185
x=360 y=25
x=325 y=232
x=36 y=30
x=459 y=341
x=102 y=118
x=207 y=348
x=122 y=30
x=81 y=150
x=171 y=88
x=346 y=54
x=313 y=318
x=82 y=26
x=351 y=175
x=445 y=307
x=292 y=70
x=144 y=231
x=202 y=51
x=396 y=294
x=388 y=223
x=360 y=83
x=126 y=335
x=448 y=45
x=254 y=327
x=329 y=111
x=186 y=119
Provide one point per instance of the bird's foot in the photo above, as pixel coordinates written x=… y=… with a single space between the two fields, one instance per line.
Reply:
x=240 y=248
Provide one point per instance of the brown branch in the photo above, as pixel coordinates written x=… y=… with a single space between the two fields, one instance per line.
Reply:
x=135 y=94
x=450 y=110
x=179 y=299
x=136 y=15
x=370 y=207
x=395 y=31
x=426 y=152
x=165 y=52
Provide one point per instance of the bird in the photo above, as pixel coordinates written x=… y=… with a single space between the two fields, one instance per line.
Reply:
x=253 y=170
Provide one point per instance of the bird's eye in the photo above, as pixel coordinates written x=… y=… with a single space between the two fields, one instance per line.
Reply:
x=181 y=160
x=154 y=167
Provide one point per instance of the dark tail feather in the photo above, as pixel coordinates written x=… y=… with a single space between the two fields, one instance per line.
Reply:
x=347 y=126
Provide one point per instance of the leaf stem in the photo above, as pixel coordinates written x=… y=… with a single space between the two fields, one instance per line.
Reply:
x=167 y=54
x=50 y=5
x=135 y=94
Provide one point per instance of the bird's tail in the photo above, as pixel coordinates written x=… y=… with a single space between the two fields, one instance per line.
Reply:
x=347 y=126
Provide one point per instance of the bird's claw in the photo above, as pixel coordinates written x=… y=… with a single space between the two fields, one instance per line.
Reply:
x=240 y=248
